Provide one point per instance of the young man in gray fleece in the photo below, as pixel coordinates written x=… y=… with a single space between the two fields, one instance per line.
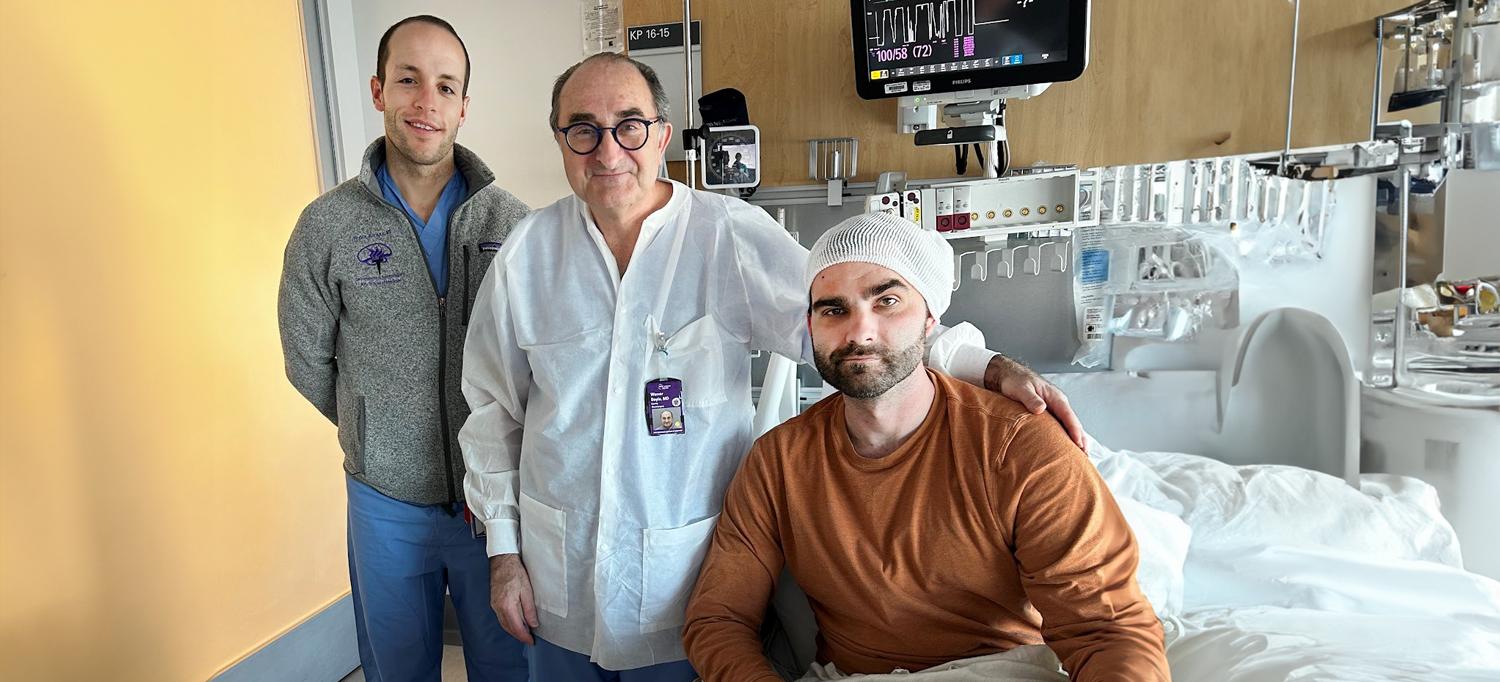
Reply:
x=379 y=277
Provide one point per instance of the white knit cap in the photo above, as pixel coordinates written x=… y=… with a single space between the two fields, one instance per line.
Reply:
x=922 y=258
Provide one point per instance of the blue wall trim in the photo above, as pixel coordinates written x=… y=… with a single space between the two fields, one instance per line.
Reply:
x=322 y=648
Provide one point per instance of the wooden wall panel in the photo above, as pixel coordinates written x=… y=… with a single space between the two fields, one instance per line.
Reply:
x=1167 y=79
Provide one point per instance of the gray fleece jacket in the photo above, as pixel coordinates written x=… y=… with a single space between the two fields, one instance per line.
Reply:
x=368 y=341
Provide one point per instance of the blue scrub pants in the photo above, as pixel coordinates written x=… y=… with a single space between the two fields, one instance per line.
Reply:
x=401 y=557
x=552 y=663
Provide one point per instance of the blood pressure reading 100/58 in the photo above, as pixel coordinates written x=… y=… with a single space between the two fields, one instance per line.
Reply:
x=906 y=37
x=892 y=54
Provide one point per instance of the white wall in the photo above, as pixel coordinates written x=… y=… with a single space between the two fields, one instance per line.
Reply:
x=1469 y=229
x=517 y=48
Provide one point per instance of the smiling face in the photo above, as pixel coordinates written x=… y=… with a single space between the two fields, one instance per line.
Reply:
x=869 y=328
x=611 y=178
x=422 y=97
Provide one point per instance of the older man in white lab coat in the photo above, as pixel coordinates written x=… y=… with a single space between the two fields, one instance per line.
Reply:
x=634 y=296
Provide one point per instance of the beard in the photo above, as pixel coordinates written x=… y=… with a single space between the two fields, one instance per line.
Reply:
x=866 y=381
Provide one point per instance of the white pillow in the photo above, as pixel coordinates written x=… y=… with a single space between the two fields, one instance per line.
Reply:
x=1234 y=507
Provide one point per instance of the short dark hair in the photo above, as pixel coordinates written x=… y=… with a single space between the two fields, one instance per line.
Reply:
x=384 y=51
x=658 y=93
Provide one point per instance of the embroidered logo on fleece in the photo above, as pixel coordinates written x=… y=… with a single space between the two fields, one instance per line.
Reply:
x=489 y=246
x=375 y=254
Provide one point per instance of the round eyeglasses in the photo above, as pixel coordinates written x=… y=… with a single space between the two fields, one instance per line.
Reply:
x=630 y=133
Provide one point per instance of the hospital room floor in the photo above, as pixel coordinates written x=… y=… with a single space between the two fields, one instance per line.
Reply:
x=453 y=667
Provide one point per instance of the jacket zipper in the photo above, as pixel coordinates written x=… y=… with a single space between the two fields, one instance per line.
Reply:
x=451 y=506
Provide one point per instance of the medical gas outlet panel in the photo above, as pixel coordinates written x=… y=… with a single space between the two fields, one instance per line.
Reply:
x=1038 y=204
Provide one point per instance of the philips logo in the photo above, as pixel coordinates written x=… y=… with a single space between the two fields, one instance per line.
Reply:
x=963 y=81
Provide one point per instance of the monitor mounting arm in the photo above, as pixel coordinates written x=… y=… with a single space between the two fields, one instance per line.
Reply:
x=972 y=117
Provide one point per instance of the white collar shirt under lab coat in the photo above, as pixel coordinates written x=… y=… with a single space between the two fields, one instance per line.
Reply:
x=611 y=522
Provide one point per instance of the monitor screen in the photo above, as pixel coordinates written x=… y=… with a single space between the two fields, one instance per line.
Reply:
x=911 y=47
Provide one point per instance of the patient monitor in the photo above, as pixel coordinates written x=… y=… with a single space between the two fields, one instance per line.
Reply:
x=959 y=60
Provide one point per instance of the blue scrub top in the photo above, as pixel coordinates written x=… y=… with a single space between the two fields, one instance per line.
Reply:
x=433 y=233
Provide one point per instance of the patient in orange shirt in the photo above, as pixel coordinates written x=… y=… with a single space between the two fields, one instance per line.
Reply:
x=928 y=521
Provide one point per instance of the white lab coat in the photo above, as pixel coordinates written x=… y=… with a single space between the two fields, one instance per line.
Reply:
x=611 y=522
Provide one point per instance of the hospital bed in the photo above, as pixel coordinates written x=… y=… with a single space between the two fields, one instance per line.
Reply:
x=1265 y=572
x=1235 y=456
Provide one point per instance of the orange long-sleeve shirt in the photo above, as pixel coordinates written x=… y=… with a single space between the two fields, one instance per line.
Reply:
x=986 y=530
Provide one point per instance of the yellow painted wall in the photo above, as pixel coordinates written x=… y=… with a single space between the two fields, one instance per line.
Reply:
x=167 y=502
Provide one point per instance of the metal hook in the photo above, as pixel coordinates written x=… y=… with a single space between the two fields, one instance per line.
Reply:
x=1058 y=263
x=1028 y=262
x=1004 y=260
x=958 y=267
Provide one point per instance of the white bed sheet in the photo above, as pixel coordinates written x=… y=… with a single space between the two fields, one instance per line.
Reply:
x=1289 y=574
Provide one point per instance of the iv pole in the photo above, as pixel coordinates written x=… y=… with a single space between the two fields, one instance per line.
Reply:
x=689 y=142
x=1291 y=88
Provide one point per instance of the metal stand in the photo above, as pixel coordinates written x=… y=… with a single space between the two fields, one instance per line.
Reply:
x=1291 y=86
x=689 y=142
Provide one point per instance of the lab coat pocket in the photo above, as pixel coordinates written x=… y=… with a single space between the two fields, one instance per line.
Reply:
x=695 y=354
x=671 y=558
x=544 y=532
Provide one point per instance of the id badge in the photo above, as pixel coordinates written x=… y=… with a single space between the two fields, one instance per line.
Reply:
x=476 y=527
x=664 y=407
